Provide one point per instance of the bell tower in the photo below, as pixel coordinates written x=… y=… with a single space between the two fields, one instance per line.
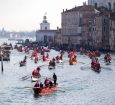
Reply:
x=45 y=25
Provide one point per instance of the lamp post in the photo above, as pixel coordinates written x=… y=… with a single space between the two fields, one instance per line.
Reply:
x=1 y=54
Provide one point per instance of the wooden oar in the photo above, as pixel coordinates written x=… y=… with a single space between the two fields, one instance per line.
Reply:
x=26 y=77
x=81 y=62
x=61 y=90
x=106 y=68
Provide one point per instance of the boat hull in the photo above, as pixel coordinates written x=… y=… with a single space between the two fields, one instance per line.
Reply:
x=59 y=61
x=22 y=64
x=45 y=91
x=73 y=63
x=34 y=79
x=96 y=70
x=51 y=67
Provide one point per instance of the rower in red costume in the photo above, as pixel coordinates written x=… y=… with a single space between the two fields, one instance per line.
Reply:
x=36 y=73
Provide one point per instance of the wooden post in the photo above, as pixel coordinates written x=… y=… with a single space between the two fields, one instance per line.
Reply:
x=1 y=54
x=2 y=64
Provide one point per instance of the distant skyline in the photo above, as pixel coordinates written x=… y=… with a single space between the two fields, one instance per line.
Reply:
x=26 y=15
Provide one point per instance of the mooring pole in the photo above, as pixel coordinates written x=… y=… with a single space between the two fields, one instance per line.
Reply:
x=2 y=68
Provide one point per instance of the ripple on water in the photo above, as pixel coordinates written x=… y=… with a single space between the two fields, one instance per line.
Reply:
x=78 y=84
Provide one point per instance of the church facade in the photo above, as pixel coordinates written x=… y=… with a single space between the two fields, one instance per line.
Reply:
x=45 y=34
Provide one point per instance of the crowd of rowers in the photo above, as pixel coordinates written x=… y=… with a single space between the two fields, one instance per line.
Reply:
x=93 y=55
x=95 y=62
x=48 y=83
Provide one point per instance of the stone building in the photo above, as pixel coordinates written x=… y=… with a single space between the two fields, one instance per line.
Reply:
x=110 y=4
x=112 y=31
x=71 y=29
x=90 y=26
x=58 y=38
x=75 y=25
x=99 y=29
x=87 y=11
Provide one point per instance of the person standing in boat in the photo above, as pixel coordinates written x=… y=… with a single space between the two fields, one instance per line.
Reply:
x=55 y=78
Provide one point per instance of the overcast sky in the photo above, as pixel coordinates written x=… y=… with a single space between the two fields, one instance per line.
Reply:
x=26 y=15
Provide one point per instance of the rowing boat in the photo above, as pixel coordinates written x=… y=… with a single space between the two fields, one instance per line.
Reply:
x=44 y=91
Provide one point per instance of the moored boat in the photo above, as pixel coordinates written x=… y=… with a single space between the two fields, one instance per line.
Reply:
x=44 y=91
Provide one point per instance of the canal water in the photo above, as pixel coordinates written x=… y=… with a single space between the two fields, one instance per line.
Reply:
x=78 y=84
